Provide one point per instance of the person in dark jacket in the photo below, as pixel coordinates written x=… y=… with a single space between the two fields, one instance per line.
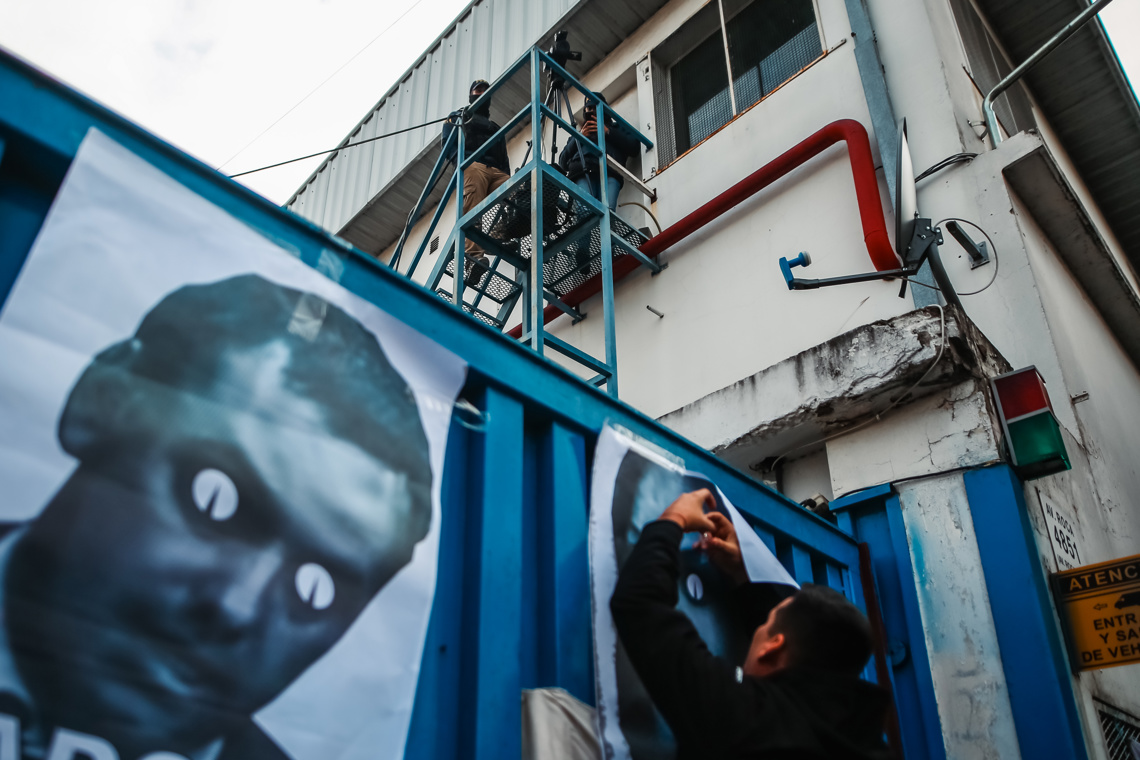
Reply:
x=798 y=692
x=484 y=176
x=581 y=166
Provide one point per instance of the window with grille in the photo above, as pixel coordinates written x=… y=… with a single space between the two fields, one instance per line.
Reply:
x=759 y=44
x=987 y=66
x=1121 y=734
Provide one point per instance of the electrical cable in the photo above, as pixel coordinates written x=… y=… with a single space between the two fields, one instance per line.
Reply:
x=893 y=404
x=383 y=31
x=993 y=248
x=342 y=147
x=644 y=208
x=946 y=162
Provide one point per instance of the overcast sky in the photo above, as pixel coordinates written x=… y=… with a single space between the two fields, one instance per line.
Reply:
x=210 y=76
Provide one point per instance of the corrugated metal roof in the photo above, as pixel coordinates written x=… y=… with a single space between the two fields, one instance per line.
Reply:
x=365 y=193
x=1086 y=98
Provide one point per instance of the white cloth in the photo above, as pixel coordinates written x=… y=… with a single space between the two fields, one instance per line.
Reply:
x=556 y=726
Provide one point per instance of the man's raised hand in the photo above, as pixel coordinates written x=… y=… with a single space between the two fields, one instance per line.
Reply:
x=723 y=547
x=688 y=511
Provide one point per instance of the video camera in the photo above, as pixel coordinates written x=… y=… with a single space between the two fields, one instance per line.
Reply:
x=561 y=53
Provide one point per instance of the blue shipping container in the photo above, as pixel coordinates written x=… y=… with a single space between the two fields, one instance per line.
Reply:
x=512 y=602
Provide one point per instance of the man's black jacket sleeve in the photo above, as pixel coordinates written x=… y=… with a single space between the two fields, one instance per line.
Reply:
x=697 y=692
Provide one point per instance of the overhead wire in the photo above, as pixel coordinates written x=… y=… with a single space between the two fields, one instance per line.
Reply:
x=342 y=147
x=948 y=161
x=340 y=68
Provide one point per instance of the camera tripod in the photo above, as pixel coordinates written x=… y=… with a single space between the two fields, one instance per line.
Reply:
x=556 y=99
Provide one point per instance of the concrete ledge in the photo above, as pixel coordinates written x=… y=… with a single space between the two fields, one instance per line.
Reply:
x=837 y=385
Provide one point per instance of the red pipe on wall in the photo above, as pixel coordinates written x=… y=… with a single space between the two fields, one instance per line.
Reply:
x=866 y=193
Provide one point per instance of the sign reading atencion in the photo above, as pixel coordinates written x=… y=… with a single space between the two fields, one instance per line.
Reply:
x=1101 y=608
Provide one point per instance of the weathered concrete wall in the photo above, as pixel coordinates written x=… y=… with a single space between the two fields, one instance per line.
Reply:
x=953 y=430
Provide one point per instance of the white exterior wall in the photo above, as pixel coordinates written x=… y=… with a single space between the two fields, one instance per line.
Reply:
x=1098 y=495
x=722 y=293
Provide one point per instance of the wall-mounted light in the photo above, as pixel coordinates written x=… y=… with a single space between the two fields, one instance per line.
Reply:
x=1032 y=434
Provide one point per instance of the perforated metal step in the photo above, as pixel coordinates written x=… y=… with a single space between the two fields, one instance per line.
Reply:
x=507 y=224
x=479 y=314
x=492 y=285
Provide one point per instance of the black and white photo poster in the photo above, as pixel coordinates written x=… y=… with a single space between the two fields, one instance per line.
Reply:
x=221 y=480
x=632 y=485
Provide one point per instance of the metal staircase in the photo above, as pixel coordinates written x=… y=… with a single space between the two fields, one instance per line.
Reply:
x=543 y=235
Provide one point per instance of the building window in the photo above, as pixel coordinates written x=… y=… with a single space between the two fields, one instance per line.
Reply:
x=759 y=44
x=1121 y=732
x=987 y=66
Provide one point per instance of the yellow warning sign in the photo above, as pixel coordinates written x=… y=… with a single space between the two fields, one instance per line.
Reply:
x=1101 y=608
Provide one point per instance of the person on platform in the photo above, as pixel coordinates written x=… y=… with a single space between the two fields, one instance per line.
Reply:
x=798 y=693
x=581 y=166
x=250 y=472
x=482 y=177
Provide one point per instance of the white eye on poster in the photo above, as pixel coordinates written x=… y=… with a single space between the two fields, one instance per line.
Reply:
x=220 y=525
x=631 y=486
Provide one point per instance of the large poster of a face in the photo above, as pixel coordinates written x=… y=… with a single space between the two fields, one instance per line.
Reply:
x=632 y=485
x=220 y=469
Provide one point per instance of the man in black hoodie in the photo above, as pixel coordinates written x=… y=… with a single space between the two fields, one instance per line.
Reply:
x=798 y=693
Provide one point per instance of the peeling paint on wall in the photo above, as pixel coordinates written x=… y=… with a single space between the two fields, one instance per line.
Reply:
x=966 y=666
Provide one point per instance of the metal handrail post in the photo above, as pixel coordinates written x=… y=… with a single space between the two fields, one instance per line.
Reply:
x=439 y=209
x=414 y=217
x=460 y=239
x=988 y=104
x=535 y=303
x=607 y=256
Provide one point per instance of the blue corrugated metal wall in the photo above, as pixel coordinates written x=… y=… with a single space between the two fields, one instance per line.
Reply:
x=512 y=604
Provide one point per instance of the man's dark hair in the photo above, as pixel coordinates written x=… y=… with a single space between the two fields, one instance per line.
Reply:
x=824 y=631
x=183 y=345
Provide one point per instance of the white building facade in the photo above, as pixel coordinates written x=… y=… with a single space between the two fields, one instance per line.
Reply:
x=878 y=406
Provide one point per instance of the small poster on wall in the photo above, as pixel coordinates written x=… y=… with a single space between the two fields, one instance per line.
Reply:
x=221 y=469
x=632 y=486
